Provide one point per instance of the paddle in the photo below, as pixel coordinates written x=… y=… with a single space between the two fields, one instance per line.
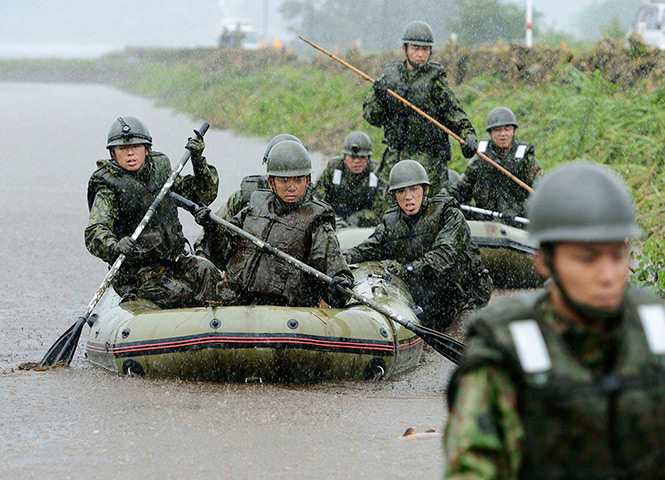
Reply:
x=420 y=112
x=447 y=346
x=490 y=213
x=64 y=347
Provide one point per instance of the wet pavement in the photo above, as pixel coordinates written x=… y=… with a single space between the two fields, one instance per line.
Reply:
x=82 y=421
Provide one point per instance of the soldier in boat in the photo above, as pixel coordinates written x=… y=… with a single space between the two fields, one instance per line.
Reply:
x=349 y=183
x=157 y=266
x=290 y=219
x=427 y=243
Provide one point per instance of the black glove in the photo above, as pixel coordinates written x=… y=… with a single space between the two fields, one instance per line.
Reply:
x=127 y=247
x=196 y=145
x=339 y=281
x=470 y=146
x=397 y=268
x=381 y=90
x=202 y=216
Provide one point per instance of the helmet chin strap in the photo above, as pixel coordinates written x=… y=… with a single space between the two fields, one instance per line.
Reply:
x=585 y=311
x=414 y=65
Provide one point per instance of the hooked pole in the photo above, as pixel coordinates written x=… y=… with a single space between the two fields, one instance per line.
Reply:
x=420 y=112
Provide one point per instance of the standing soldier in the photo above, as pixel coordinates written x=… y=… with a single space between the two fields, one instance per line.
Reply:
x=349 y=183
x=407 y=133
x=568 y=382
x=489 y=188
x=120 y=191
x=427 y=243
x=289 y=219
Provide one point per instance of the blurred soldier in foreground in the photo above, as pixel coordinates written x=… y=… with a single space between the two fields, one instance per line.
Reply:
x=568 y=382
x=427 y=243
x=408 y=134
x=488 y=187
x=349 y=184
x=120 y=191
x=291 y=220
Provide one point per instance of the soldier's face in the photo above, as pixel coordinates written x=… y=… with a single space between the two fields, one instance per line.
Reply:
x=410 y=199
x=418 y=54
x=594 y=273
x=356 y=165
x=130 y=157
x=289 y=189
x=503 y=136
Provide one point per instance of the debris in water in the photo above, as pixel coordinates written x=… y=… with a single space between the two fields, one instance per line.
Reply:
x=410 y=434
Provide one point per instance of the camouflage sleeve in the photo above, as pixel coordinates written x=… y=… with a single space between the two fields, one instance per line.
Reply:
x=462 y=191
x=484 y=434
x=533 y=169
x=200 y=187
x=448 y=246
x=322 y=185
x=216 y=243
x=373 y=110
x=99 y=236
x=233 y=206
x=449 y=109
x=326 y=256
x=374 y=248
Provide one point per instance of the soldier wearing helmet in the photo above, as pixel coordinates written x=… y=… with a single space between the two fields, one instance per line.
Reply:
x=157 y=266
x=489 y=188
x=568 y=382
x=427 y=243
x=287 y=217
x=408 y=134
x=349 y=183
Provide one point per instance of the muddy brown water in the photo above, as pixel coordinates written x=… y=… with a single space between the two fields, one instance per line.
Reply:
x=83 y=421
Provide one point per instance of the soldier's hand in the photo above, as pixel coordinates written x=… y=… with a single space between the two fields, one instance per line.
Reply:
x=127 y=247
x=381 y=90
x=202 y=216
x=396 y=268
x=196 y=145
x=340 y=281
x=470 y=146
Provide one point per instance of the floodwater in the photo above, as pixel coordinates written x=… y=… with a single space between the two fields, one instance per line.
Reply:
x=83 y=421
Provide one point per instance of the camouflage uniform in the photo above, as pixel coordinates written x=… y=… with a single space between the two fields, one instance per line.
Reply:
x=566 y=401
x=408 y=134
x=447 y=276
x=162 y=272
x=351 y=196
x=304 y=231
x=493 y=190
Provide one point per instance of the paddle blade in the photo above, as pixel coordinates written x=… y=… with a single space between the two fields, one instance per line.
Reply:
x=447 y=346
x=64 y=347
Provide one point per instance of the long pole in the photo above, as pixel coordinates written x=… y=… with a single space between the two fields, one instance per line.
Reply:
x=420 y=112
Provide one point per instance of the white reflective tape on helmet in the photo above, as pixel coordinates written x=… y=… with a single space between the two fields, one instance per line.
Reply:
x=373 y=180
x=530 y=346
x=482 y=146
x=337 y=177
x=521 y=150
x=653 y=322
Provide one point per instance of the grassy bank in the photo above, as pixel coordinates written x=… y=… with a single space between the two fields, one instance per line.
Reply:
x=604 y=103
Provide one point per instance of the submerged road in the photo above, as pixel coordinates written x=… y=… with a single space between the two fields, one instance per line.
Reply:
x=83 y=422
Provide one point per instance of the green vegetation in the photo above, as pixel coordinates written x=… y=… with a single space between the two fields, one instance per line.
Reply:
x=603 y=103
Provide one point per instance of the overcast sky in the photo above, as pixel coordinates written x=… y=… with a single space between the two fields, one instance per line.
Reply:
x=91 y=27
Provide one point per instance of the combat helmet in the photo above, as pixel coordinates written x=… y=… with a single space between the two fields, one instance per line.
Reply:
x=500 y=117
x=581 y=202
x=406 y=174
x=289 y=159
x=128 y=131
x=418 y=33
x=357 y=144
x=275 y=140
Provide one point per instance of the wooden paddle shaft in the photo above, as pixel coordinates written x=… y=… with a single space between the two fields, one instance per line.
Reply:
x=428 y=117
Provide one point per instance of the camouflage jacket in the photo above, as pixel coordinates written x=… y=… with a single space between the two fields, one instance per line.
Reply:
x=436 y=243
x=426 y=88
x=537 y=396
x=349 y=194
x=119 y=199
x=306 y=233
x=492 y=189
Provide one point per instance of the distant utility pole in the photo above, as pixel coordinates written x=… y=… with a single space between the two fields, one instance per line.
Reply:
x=529 y=23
